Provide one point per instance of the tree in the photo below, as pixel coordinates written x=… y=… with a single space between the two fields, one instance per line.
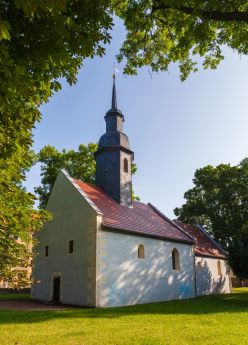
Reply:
x=160 y=32
x=79 y=164
x=18 y=221
x=45 y=40
x=42 y=41
x=219 y=202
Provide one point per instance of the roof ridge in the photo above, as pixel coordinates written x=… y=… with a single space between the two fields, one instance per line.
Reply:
x=170 y=221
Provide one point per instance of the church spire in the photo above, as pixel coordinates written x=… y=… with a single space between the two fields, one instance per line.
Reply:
x=114 y=157
x=114 y=98
x=114 y=117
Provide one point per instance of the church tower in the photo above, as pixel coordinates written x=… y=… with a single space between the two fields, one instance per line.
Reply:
x=114 y=157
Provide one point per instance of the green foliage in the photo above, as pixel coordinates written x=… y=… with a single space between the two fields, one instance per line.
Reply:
x=238 y=251
x=20 y=279
x=219 y=202
x=18 y=220
x=135 y=197
x=162 y=32
x=79 y=164
x=41 y=41
x=14 y=297
x=4 y=30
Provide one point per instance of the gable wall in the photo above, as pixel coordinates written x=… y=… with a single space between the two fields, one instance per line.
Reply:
x=73 y=219
x=124 y=279
x=207 y=279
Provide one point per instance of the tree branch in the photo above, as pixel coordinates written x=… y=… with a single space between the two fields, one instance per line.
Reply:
x=205 y=14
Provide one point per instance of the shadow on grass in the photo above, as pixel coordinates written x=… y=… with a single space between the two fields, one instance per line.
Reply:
x=229 y=303
x=14 y=297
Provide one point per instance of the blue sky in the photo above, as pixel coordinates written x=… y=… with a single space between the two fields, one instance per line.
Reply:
x=173 y=127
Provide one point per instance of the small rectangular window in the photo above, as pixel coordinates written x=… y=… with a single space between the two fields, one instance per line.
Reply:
x=71 y=247
x=219 y=268
x=46 y=250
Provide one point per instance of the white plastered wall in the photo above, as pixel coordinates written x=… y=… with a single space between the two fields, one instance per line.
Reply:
x=124 y=279
x=74 y=218
x=208 y=280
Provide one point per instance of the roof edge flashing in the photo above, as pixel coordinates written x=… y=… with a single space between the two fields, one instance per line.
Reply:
x=84 y=195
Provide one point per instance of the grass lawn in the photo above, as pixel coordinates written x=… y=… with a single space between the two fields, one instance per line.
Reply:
x=221 y=319
x=13 y=297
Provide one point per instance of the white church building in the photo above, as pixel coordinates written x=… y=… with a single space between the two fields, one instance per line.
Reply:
x=102 y=249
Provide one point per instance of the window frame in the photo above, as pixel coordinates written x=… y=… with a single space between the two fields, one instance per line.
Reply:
x=219 y=268
x=175 y=258
x=141 y=251
x=125 y=165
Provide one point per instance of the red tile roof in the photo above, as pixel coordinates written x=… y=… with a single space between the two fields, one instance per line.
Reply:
x=141 y=219
x=205 y=246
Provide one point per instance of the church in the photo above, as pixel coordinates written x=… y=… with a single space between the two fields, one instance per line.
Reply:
x=103 y=249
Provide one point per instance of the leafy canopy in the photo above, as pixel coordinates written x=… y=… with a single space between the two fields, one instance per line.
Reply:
x=219 y=202
x=79 y=164
x=161 y=32
x=41 y=41
x=18 y=221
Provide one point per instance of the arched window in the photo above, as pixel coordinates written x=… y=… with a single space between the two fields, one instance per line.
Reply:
x=219 y=268
x=125 y=164
x=141 y=251
x=175 y=260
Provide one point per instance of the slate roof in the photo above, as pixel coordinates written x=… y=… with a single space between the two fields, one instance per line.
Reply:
x=205 y=245
x=142 y=219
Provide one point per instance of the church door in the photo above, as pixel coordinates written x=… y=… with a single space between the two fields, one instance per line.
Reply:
x=56 y=289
